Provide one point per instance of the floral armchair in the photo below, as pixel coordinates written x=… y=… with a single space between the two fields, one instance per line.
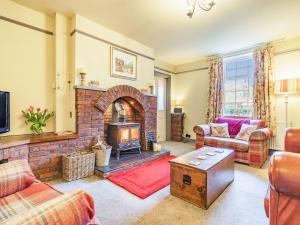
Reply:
x=253 y=152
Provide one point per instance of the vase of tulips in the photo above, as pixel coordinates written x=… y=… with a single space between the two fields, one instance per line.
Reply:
x=37 y=118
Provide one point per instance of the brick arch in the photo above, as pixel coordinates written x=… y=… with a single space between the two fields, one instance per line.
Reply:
x=116 y=92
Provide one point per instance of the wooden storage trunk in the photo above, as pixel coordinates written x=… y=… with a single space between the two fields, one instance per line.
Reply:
x=78 y=165
x=201 y=185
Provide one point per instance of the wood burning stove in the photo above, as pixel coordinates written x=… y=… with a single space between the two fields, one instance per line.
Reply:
x=124 y=137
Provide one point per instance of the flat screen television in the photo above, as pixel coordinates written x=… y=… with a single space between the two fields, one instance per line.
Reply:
x=4 y=112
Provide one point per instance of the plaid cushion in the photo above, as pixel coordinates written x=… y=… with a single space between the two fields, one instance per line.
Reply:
x=74 y=208
x=15 y=176
x=238 y=145
x=26 y=199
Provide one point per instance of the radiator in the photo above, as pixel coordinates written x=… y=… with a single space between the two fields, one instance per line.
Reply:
x=277 y=141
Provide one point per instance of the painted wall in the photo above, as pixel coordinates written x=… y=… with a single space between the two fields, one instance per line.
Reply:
x=37 y=67
x=26 y=62
x=190 y=92
x=286 y=65
x=95 y=55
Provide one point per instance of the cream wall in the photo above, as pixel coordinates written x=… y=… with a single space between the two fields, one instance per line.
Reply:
x=287 y=65
x=26 y=62
x=37 y=67
x=95 y=55
x=191 y=91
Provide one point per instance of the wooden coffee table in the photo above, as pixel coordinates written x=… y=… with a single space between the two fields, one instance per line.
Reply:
x=201 y=185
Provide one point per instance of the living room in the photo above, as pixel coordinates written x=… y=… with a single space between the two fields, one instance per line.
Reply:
x=179 y=112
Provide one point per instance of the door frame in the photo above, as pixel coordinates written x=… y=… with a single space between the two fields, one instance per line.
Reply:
x=168 y=101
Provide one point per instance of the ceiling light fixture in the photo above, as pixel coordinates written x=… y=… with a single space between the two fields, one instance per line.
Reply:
x=203 y=4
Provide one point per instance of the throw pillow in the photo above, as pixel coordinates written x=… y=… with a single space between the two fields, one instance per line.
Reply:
x=245 y=132
x=219 y=130
x=15 y=176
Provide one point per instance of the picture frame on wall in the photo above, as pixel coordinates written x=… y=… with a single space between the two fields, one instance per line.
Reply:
x=123 y=64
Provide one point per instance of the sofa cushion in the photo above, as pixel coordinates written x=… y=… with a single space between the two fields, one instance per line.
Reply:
x=234 y=124
x=235 y=144
x=245 y=132
x=15 y=176
x=74 y=208
x=219 y=129
x=26 y=199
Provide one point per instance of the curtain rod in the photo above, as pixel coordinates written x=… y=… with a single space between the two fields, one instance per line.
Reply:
x=244 y=50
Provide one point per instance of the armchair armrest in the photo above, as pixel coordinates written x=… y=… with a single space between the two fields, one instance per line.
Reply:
x=202 y=129
x=284 y=173
x=15 y=176
x=261 y=134
x=292 y=140
x=74 y=208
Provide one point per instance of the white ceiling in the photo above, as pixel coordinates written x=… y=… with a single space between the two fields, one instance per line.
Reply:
x=164 y=26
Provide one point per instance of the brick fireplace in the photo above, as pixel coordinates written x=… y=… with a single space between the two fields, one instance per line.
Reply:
x=93 y=111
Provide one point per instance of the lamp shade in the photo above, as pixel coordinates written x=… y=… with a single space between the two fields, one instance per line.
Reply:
x=286 y=86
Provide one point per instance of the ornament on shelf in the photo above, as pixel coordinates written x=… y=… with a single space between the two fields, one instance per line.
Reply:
x=94 y=83
x=82 y=73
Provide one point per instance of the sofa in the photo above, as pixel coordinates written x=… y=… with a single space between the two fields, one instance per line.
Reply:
x=27 y=201
x=282 y=201
x=253 y=152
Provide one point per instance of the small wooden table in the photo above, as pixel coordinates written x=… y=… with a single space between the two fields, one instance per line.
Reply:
x=201 y=185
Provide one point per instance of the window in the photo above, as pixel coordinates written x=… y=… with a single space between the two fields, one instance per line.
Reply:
x=238 y=86
x=160 y=85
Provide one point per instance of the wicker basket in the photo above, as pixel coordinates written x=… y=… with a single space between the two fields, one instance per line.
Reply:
x=78 y=165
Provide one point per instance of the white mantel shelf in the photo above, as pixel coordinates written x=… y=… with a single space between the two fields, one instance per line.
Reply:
x=102 y=89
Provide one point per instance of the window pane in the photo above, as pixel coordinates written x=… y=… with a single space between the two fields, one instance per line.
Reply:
x=160 y=95
x=238 y=86
x=230 y=97
x=242 y=96
x=242 y=84
x=229 y=85
x=229 y=109
x=242 y=71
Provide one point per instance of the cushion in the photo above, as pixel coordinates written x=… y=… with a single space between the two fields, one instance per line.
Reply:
x=21 y=201
x=219 y=130
x=74 y=208
x=234 y=124
x=245 y=132
x=15 y=176
x=235 y=144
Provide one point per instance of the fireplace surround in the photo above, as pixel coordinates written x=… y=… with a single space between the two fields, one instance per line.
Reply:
x=44 y=153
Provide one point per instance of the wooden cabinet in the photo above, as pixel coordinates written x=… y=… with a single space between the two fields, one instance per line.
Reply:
x=177 y=120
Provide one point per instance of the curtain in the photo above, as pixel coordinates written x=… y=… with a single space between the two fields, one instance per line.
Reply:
x=263 y=90
x=215 y=95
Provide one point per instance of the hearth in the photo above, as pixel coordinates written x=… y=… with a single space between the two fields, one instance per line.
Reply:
x=124 y=137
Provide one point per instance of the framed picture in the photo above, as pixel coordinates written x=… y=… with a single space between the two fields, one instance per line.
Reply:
x=123 y=64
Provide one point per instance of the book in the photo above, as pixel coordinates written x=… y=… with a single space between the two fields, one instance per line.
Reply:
x=210 y=153
x=202 y=157
x=194 y=162
x=219 y=150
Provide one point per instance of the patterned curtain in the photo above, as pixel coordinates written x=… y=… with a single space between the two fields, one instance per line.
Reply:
x=263 y=92
x=215 y=95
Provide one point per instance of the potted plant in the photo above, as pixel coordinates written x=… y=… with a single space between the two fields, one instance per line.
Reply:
x=38 y=118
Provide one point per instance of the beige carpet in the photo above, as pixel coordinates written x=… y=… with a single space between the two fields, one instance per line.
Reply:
x=240 y=204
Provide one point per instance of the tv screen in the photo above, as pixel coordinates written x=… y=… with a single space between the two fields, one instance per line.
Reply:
x=4 y=112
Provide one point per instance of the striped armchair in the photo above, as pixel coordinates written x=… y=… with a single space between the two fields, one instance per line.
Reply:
x=27 y=201
x=253 y=152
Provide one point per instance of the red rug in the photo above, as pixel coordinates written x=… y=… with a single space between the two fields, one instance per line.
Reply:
x=146 y=179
